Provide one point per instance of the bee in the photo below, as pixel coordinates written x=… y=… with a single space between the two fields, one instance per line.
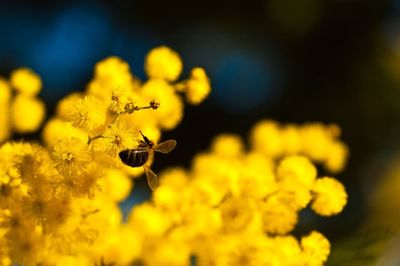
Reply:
x=138 y=157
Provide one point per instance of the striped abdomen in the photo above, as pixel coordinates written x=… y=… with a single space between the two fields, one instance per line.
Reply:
x=134 y=157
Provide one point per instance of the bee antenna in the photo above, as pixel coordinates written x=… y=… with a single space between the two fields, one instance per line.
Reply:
x=145 y=138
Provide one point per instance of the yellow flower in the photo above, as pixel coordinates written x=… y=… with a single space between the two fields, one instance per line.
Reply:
x=56 y=129
x=26 y=82
x=87 y=113
x=120 y=97
x=198 y=87
x=150 y=220
x=171 y=180
x=257 y=178
x=65 y=105
x=228 y=145
x=170 y=112
x=117 y=137
x=278 y=218
x=316 y=249
x=71 y=156
x=337 y=157
x=163 y=63
x=291 y=139
x=316 y=140
x=111 y=73
x=286 y=252
x=296 y=170
x=112 y=68
x=330 y=196
x=266 y=137
x=238 y=214
x=116 y=184
x=27 y=113
x=122 y=247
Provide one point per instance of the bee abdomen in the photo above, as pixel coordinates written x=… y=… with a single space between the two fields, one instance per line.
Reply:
x=134 y=158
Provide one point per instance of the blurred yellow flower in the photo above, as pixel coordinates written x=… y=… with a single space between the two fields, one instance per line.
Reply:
x=26 y=82
x=27 y=113
x=316 y=249
x=330 y=196
x=197 y=87
x=163 y=63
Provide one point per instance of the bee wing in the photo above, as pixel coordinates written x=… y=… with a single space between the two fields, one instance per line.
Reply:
x=152 y=179
x=166 y=146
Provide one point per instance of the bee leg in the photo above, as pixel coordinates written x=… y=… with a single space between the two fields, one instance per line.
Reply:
x=152 y=179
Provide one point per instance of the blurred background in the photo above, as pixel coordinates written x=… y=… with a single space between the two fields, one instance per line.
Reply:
x=334 y=61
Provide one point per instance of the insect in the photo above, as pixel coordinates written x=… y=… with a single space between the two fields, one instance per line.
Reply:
x=138 y=157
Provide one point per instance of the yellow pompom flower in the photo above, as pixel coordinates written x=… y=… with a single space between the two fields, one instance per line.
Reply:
x=111 y=68
x=149 y=219
x=116 y=184
x=330 y=196
x=291 y=139
x=266 y=137
x=120 y=97
x=57 y=129
x=237 y=214
x=337 y=157
x=170 y=112
x=87 y=113
x=26 y=82
x=65 y=105
x=27 y=113
x=278 y=218
x=294 y=196
x=296 y=170
x=228 y=145
x=110 y=73
x=198 y=87
x=316 y=140
x=163 y=63
x=166 y=196
x=122 y=246
x=115 y=138
x=286 y=251
x=71 y=156
x=315 y=249
x=257 y=178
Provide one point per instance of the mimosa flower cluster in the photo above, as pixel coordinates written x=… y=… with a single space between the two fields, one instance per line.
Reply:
x=238 y=205
x=59 y=201
x=234 y=206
